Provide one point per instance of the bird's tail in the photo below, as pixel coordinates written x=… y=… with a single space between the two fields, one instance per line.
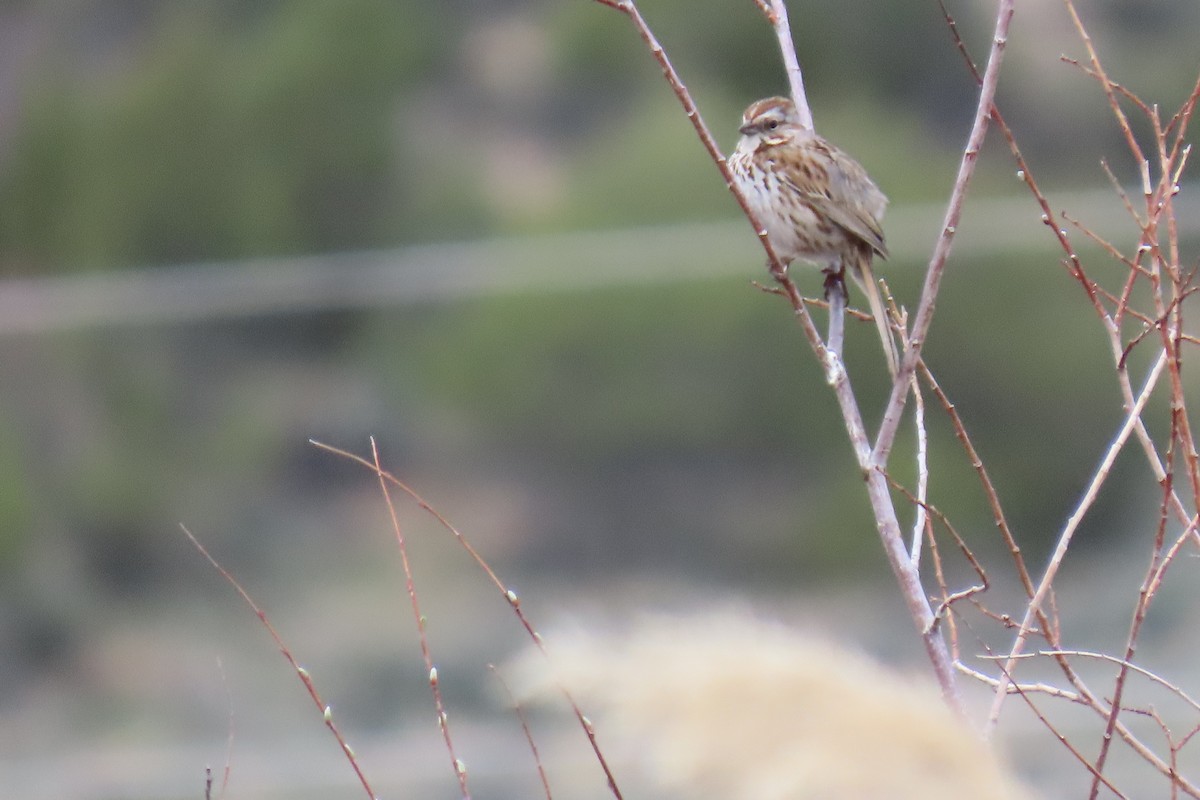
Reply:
x=864 y=276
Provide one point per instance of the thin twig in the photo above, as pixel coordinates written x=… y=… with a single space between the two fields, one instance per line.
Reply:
x=301 y=672
x=520 y=712
x=1064 y=538
x=791 y=64
x=949 y=598
x=765 y=7
x=1179 y=123
x=509 y=595
x=1101 y=78
x=229 y=734
x=1023 y=688
x=922 y=515
x=460 y=769
x=989 y=489
x=1126 y=664
x=1015 y=688
x=1091 y=289
x=941 y=252
x=1110 y=88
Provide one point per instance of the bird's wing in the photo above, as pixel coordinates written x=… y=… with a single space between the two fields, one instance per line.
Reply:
x=848 y=197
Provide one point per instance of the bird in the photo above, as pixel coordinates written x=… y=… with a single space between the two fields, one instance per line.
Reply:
x=816 y=203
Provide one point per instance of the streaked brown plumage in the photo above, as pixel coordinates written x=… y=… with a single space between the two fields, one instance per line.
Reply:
x=816 y=202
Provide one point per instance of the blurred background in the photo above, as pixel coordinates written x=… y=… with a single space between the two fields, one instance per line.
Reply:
x=485 y=234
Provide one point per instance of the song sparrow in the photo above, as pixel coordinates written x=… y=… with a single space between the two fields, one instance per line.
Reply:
x=816 y=202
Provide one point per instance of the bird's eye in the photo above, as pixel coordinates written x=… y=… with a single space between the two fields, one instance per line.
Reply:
x=772 y=125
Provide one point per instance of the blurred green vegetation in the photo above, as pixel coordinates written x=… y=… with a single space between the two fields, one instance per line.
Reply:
x=229 y=132
x=148 y=134
x=152 y=133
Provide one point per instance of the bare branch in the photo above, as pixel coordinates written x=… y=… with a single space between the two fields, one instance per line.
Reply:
x=941 y=252
x=1110 y=88
x=387 y=478
x=456 y=763
x=301 y=672
x=1064 y=539
x=1126 y=664
x=521 y=717
x=989 y=488
x=787 y=49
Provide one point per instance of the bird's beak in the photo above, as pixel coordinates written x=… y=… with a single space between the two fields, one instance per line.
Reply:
x=747 y=129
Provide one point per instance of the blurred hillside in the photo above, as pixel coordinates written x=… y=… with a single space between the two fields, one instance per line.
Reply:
x=655 y=429
x=149 y=133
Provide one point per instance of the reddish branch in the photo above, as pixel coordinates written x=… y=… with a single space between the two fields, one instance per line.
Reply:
x=1163 y=274
x=387 y=479
x=941 y=252
x=300 y=671
x=460 y=771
